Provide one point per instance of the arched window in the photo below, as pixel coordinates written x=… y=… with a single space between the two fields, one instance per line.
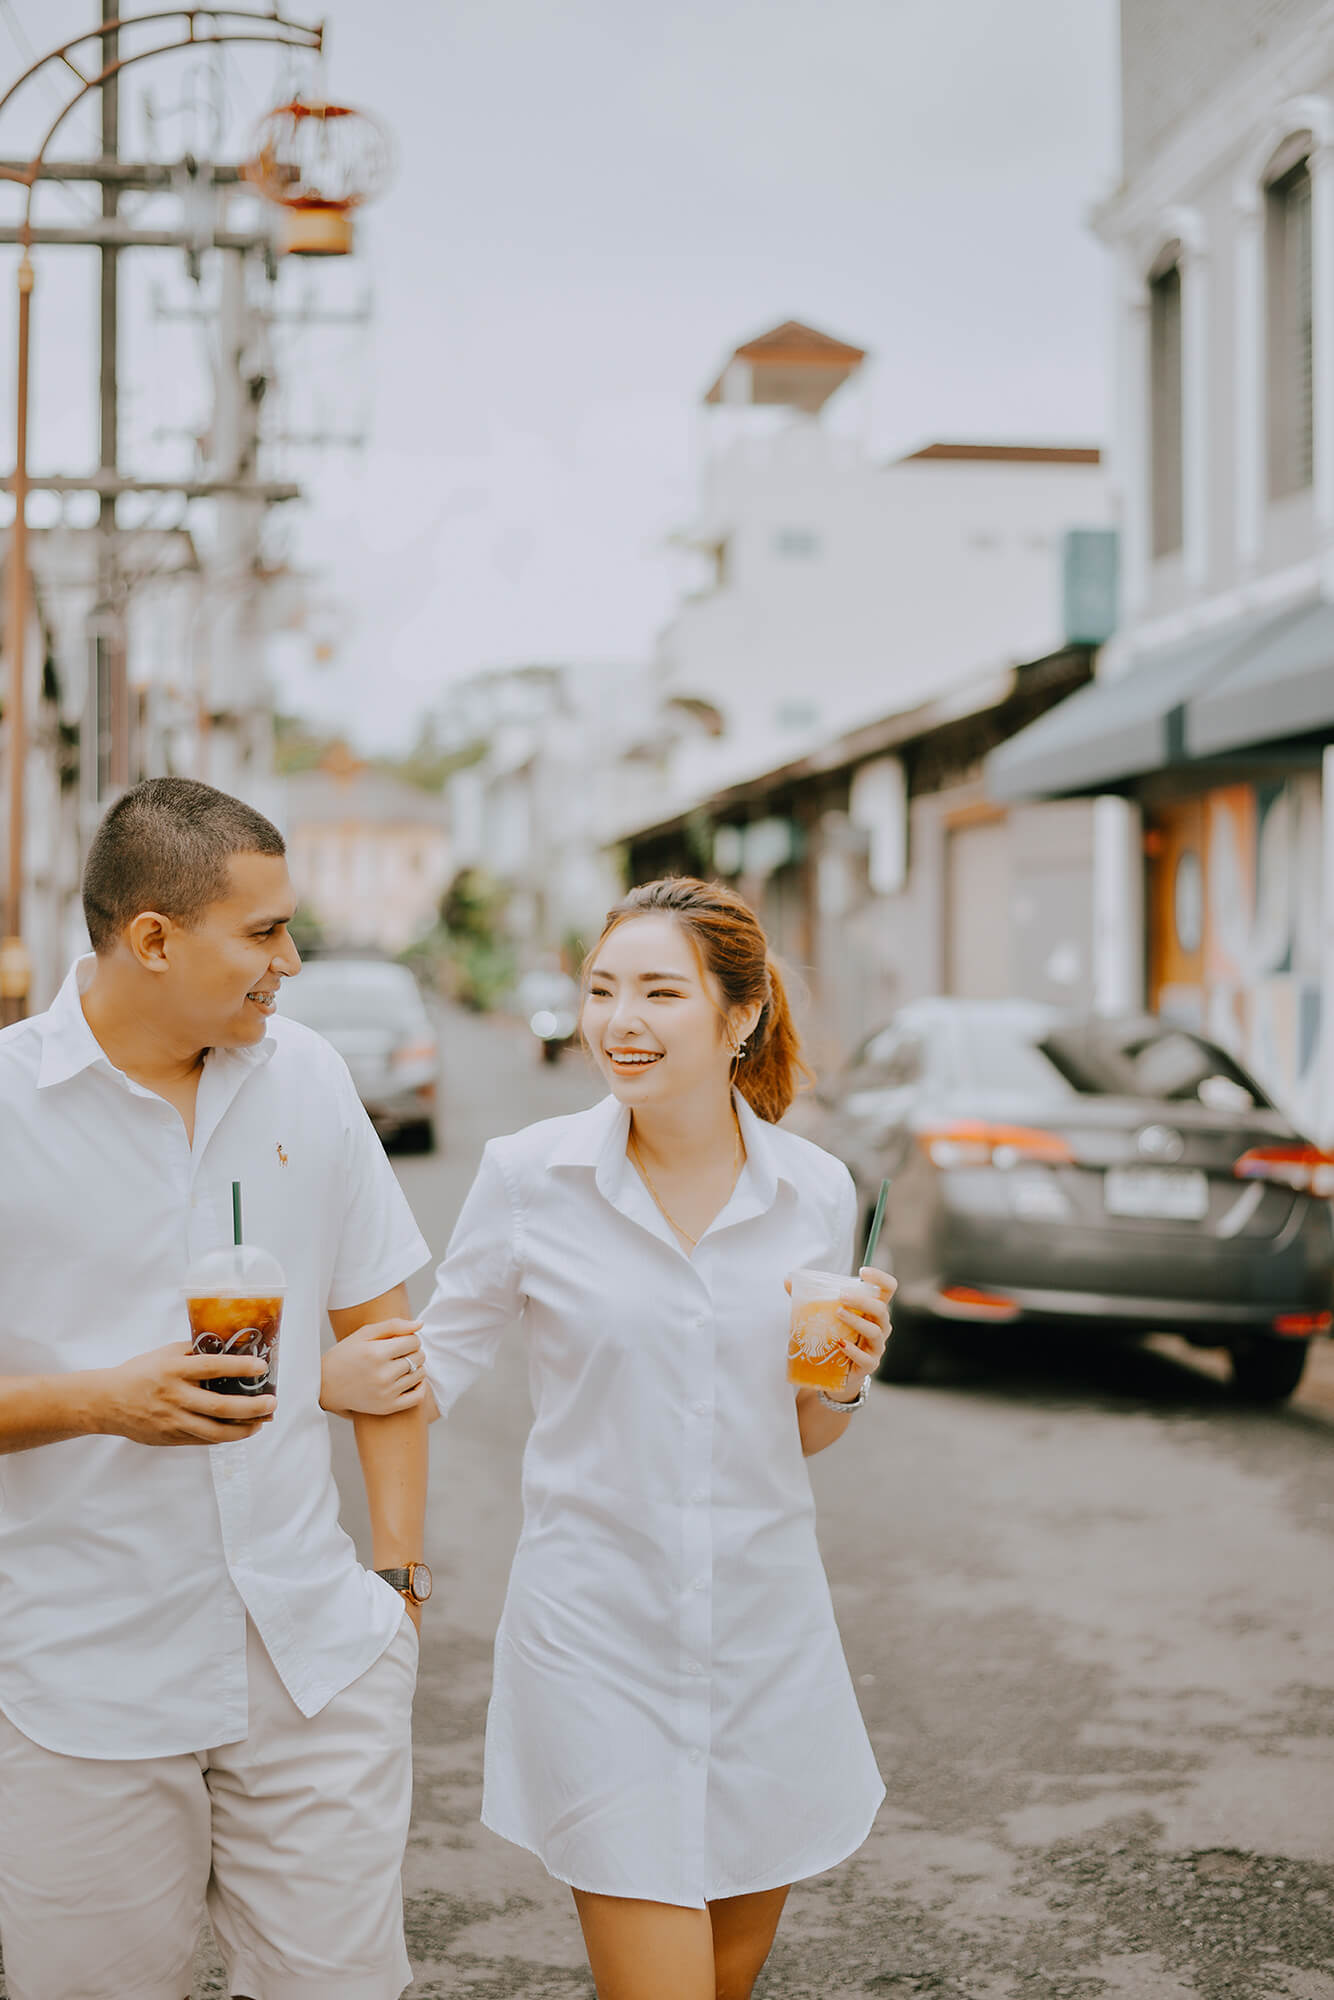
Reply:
x=1165 y=403
x=1288 y=343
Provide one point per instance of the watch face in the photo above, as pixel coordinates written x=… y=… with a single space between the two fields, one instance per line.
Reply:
x=420 y=1584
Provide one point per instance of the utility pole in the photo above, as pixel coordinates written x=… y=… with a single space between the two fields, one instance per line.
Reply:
x=235 y=665
x=110 y=704
x=175 y=30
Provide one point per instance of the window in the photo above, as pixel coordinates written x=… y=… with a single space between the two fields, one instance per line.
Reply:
x=796 y=544
x=1288 y=275
x=1165 y=409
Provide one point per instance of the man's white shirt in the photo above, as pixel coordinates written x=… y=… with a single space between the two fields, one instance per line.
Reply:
x=127 y=1570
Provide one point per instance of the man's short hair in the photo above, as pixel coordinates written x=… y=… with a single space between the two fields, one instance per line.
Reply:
x=165 y=846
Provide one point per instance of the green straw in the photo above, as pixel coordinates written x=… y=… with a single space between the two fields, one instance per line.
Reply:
x=236 y=1213
x=876 y=1221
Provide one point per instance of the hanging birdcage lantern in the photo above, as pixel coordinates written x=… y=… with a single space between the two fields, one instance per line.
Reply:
x=318 y=163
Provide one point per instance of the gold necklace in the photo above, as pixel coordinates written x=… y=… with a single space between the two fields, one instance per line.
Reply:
x=638 y=1159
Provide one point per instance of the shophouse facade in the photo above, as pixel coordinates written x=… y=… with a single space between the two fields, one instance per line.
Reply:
x=1212 y=717
x=883 y=872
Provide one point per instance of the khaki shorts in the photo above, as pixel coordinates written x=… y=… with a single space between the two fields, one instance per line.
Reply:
x=293 y=1840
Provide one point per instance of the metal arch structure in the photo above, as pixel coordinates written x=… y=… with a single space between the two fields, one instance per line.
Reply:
x=194 y=27
x=280 y=31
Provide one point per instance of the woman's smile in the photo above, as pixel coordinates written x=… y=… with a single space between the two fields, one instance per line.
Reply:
x=629 y=1062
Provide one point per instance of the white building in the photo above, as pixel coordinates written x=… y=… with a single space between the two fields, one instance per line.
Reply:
x=837 y=588
x=370 y=855
x=562 y=753
x=1213 y=716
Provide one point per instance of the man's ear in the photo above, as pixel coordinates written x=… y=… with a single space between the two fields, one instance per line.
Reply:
x=146 y=937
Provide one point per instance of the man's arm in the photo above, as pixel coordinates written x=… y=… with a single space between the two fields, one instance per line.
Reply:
x=47 y=1409
x=158 y=1398
x=393 y=1454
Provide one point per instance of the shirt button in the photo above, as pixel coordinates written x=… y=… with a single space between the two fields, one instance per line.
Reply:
x=698 y=1499
x=701 y=1583
x=694 y=1667
x=695 y=1756
x=700 y=1409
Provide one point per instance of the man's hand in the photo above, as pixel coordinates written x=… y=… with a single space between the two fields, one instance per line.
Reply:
x=163 y=1398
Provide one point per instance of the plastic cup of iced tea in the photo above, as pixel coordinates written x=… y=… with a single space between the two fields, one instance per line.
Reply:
x=815 y=1356
x=235 y=1301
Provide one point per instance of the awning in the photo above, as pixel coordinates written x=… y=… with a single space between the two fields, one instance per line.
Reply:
x=1119 y=729
x=1284 y=687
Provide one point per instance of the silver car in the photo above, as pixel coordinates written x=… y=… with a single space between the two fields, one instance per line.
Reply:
x=373 y=1013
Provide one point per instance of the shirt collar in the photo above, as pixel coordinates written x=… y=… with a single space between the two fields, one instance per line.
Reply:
x=597 y=1139
x=69 y=1045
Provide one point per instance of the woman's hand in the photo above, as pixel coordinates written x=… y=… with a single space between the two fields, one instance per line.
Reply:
x=868 y=1331
x=377 y=1371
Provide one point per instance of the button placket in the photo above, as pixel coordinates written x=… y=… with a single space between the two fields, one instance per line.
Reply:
x=696 y=1604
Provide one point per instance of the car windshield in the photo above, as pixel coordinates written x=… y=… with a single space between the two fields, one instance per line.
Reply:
x=1051 y=1062
x=1001 y=1050
x=328 y=997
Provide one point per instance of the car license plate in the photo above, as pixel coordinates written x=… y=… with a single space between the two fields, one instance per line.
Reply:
x=1176 y=1194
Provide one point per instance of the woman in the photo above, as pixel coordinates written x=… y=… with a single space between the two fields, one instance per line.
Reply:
x=672 y=1726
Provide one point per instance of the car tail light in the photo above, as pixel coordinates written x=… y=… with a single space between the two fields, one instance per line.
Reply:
x=412 y=1054
x=1303 y=1168
x=1303 y=1326
x=967 y=1302
x=971 y=1142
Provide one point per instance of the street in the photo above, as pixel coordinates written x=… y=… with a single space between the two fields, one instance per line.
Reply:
x=1086 y=1602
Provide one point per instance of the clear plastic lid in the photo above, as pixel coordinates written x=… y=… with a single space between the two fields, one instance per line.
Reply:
x=810 y=1287
x=241 y=1271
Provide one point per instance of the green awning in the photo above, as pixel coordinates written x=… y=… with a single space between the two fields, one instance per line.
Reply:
x=1283 y=687
x=1123 y=728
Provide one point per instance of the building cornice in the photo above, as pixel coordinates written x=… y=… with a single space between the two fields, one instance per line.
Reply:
x=1236 y=119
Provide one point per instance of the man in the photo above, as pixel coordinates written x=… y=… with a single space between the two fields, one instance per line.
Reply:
x=203 y=1696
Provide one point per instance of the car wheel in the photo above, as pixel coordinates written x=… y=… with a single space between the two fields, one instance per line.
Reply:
x=1266 y=1370
x=907 y=1349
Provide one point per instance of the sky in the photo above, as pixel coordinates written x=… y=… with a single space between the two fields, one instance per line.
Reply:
x=593 y=202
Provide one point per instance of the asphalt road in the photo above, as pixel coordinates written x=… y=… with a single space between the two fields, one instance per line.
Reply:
x=1087 y=1602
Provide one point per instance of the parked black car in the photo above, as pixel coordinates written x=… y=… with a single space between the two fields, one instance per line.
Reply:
x=373 y=1012
x=1122 y=1174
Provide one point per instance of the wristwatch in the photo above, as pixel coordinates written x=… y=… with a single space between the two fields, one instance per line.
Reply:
x=413 y=1583
x=844 y=1409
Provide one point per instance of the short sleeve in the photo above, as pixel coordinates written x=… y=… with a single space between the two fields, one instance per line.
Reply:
x=379 y=1243
x=477 y=1289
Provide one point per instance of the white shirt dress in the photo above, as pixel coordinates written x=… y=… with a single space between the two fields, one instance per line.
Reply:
x=672 y=1716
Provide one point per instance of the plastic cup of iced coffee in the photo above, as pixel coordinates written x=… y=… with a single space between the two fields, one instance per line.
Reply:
x=235 y=1301
x=816 y=1357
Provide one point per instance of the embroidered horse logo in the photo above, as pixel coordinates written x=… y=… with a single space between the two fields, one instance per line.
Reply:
x=281 y=1154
